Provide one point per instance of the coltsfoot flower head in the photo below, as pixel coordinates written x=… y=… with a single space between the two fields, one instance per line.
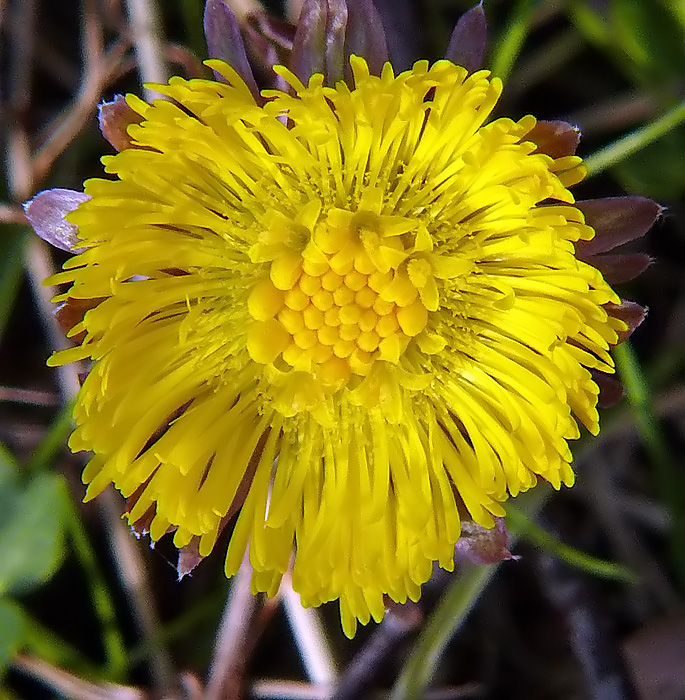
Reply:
x=350 y=314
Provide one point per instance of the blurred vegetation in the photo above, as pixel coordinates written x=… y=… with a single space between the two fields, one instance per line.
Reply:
x=88 y=612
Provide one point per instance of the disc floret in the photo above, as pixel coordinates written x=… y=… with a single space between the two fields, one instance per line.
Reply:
x=360 y=290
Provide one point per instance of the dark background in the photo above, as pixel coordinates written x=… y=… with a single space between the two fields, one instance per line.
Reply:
x=83 y=604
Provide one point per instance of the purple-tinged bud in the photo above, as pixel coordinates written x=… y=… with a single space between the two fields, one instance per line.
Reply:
x=630 y=313
x=481 y=545
x=225 y=42
x=47 y=213
x=467 y=44
x=114 y=118
x=617 y=269
x=318 y=46
x=188 y=558
x=610 y=389
x=616 y=220
x=365 y=35
x=555 y=138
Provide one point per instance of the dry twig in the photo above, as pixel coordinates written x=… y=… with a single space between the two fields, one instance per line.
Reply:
x=70 y=686
x=81 y=111
x=136 y=584
x=399 y=622
x=310 y=638
x=28 y=396
x=11 y=214
x=21 y=28
x=145 y=27
x=39 y=266
x=228 y=665
x=589 y=633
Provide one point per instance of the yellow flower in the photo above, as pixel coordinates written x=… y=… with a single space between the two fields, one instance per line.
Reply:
x=352 y=317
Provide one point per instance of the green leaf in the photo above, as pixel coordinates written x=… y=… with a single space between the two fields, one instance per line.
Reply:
x=31 y=533
x=593 y=26
x=9 y=466
x=12 y=632
x=667 y=472
x=677 y=11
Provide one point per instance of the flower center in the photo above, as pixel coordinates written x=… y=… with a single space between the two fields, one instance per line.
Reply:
x=357 y=292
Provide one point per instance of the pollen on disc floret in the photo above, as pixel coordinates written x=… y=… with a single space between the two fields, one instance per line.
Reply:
x=340 y=305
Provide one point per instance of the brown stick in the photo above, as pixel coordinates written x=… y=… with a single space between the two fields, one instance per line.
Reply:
x=72 y=121
x=70 y=686
x=146 y=34
x=228 y=665
x=21 y=28
x=10 y=214
x=134 y=579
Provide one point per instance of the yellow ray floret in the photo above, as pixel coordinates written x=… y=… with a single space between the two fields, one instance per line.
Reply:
x=354 y=317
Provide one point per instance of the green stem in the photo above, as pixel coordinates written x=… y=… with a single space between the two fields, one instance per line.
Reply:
x=11 y=272
x=509 y=45
x=103 y=604
x=522 y=524
x=668 y=481
x=677 y=9
x=53 y=441
x=192 y=19
x=451 y=612
x=444 y=622
x=204 y=611
x=619 y=150
x=7 y=458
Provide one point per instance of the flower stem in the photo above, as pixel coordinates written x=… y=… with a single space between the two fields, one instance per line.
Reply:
x=460 y=597
x=192 y=19
x=668 y=481
x=631 y=143
x=54 y=440
x=103 y=604
x=509 y=45
x=522 y=524
x=451 y=612
x=145 y=28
